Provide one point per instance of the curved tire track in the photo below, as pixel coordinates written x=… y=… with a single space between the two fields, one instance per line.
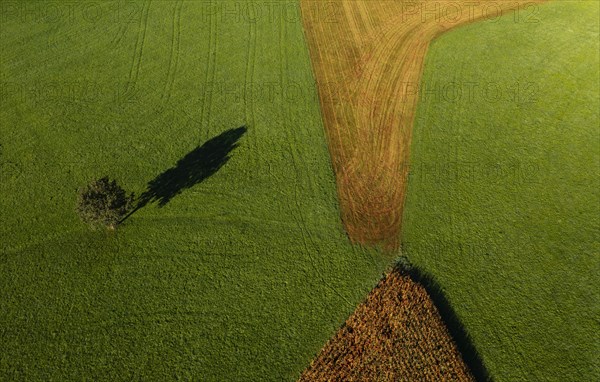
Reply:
x=366 y=57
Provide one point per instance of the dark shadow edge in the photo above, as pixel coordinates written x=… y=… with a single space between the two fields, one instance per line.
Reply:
x=461 y=338
x=229 y=137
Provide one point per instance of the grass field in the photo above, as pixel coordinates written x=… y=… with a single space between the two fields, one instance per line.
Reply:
x=503 y=194
x=243 y=276
x=243 y=271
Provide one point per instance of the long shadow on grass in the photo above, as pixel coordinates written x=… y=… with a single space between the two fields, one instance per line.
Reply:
x=457 y=330
x=193 y=168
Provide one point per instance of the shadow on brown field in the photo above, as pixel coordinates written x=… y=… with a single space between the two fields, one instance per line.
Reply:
x=404 y=331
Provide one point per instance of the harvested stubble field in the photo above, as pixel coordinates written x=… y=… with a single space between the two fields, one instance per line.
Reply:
x=396 y=334
x=368 y=63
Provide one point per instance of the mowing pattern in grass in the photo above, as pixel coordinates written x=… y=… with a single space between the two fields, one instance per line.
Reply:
x=396 y=334
x=504 y=193
x=241 y=277
x=368 y=63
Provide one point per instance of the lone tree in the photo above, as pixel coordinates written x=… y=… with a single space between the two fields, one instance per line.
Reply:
x=103 y=203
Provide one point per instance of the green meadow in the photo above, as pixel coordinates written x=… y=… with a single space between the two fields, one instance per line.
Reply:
x=242 y=275
x=243 y=271
x=504 y=192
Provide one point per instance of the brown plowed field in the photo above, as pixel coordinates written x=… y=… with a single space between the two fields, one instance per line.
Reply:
x=368 y=59
x=397 y=334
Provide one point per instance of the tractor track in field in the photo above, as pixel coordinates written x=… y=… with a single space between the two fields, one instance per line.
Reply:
x=174 y=55
x=209 y=78
x=361 y=63
x=250 y=113
x=138 y=51
x=308 y=241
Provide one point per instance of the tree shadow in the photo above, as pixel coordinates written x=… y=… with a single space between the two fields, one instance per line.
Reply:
x=193 y=168
x=458 y=332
